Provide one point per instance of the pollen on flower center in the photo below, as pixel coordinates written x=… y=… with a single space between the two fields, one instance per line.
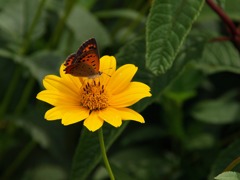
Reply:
x=94 y=96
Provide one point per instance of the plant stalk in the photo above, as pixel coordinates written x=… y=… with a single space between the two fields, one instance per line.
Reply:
x=105 y=159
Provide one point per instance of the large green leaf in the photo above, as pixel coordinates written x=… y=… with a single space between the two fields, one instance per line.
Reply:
x=168 y=24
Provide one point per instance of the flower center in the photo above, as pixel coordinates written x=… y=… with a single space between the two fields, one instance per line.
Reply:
x=94 y=96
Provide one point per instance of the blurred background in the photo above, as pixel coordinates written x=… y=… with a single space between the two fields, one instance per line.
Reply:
x=188 y=125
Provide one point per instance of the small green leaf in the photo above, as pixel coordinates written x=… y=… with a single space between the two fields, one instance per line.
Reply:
x=119 y=173
x=219 y=56
x=184 y=86
x=36 y=132
x=229 y=175
x=216 y=111
x=226 y=157
x=221 y=3
x=45 y=171
x=168 y=24
x=121 y=13
x=200 y=141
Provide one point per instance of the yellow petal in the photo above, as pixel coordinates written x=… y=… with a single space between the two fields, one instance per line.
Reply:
x=69 y=79
x=75 y=114
x=131 y=95
x=121 y=78
x=52 y=82
x=53 y=114
x=107 y=67
x=93 y=122
x=129 y=114
x=111 y=116
x=56 y=98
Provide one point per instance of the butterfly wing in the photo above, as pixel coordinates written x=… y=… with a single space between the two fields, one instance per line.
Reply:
x=85 y=62
x=70 y=59
x=88 y=45
x=84 y=66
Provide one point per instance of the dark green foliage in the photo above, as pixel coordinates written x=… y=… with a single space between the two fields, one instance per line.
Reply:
x=191 y=128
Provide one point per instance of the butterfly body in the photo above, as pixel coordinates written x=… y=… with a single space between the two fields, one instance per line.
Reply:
x=85 y=62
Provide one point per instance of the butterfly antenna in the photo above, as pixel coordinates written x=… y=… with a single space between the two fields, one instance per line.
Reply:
x=106 y=73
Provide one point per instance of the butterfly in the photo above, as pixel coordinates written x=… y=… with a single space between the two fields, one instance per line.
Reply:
x=85 y=62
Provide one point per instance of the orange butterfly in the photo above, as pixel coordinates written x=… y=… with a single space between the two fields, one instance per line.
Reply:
x=85 y=62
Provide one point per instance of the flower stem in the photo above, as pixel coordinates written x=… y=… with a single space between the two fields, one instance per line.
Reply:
x=223 y=16
x=232 y=165
x=32 y=27
x=105 y=159
x=25 y=96
x=60 y=25
x=10 y=91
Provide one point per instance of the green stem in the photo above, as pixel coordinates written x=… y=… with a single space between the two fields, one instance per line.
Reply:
x=18 y=161
x=11 y=90
x=25 y=96
x=174 y=118
x=59 y=27
x=32 y=27
x=105 y=159
x=232 y=164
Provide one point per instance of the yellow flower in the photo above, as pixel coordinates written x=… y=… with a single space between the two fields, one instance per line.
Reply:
x=104 y=98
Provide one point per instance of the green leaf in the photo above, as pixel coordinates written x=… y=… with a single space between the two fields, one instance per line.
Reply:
x=43 y=63
x=226 y=157
x=221 y=3
x=121 y=13
x=219 y=111
x=119 y=173
x=228 y=176
x=168 y=24
x=88 y=4
x=200 y=141
x=188 y=80
x=142 y=162
x=184 y=86
x=35 y=131
x=85 y=25
x=45 y=171
x=219 y=56
x=16 y=18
